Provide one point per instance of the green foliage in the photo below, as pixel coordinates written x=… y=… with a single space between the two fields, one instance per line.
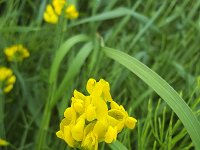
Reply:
x=163 y=35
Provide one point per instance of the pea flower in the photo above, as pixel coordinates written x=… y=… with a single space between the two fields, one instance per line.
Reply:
x=16 y=53
x=89 y=120
x=7 y=79
x=3 y=142
x=54 y=10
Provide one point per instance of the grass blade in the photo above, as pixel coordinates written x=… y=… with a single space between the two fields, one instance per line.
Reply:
x=163 y=89
x=62 y=51
x=73 y=69
x=117 y=146
x=119 y=12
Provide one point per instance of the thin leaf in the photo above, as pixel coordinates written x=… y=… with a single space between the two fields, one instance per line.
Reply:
x=119 y=12
x=74 y=69
x=62 y=51
x=163 y=89
x=117 y=146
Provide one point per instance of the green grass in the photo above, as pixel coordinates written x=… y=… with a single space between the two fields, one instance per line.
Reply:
x=162 y=35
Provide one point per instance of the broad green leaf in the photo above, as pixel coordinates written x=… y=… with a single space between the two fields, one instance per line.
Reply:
x=117 y=146
x=162 y=88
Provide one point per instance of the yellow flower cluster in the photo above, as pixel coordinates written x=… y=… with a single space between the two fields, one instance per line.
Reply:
x=53 y=11
x=16 y=53
x=89 y=120
x=3 y=142
x=7 y=79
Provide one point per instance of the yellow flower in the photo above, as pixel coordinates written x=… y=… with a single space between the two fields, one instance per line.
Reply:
x=91 y=113
x=54 y=10
x=16 y=53
x=3 y=142
x=111 y=134
x=49 y=15
x=78 y=129
x=119 y=117
x=101 y=88
x=58 y=6
x=66 y=125
x=89 y=121
x=91 y=141
x=71 y=12
x=7 y=79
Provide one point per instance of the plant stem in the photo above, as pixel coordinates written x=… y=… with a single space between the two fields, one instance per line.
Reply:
x=2 y=103
x=45 y=120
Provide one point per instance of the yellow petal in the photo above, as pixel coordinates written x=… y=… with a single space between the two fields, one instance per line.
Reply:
x=65 y=122
x=68 y=136
x=98 y=89
x=70 y=115
x=91 y=113
x=3 y=142
x=79 y=95
x=90 y=142
x=8 y=88
x=11 y=80
x=114 y=105
x=130 y=122
x=25 y=53
x=90 y=85
x=5 y=73
x=71 y=12
x=58 y=5
x=106 y=91
x=59 y=134
x=114 y=122
x=49 y=15
x=78 y=105
x=101 y=108
x=88 y=128
x=78 y=130
x=117 y=114
x=100 y=129
x=111 y=134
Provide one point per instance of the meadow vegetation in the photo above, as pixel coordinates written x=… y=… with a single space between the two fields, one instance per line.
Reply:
x=148 y=51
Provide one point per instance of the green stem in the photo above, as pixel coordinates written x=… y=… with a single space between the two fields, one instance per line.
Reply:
x=44 y=126
x=41 y=140
x=2 y=103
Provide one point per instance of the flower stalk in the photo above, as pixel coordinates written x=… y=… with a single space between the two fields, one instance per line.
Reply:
x=2 y=105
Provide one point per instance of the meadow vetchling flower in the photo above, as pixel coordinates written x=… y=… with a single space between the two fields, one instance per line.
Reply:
x=49 y=15
x=54 y=10
x=7 y=79
x=89 y=120
x=3 y=142
x=16 y=53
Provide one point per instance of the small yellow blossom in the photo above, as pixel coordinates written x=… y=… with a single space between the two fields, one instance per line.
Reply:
x=58 y=6
x=111 y=134
x=89 y=121
x=7 y=79
x=71 y=12
x=49 y=15
x=54 y=10
x=16 y=53
x=3 y=142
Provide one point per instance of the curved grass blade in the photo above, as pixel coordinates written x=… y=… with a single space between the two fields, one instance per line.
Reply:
x=119 y=12
x=62 y=51
x=117 y=146
x=163 y=89
x=73 y=70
